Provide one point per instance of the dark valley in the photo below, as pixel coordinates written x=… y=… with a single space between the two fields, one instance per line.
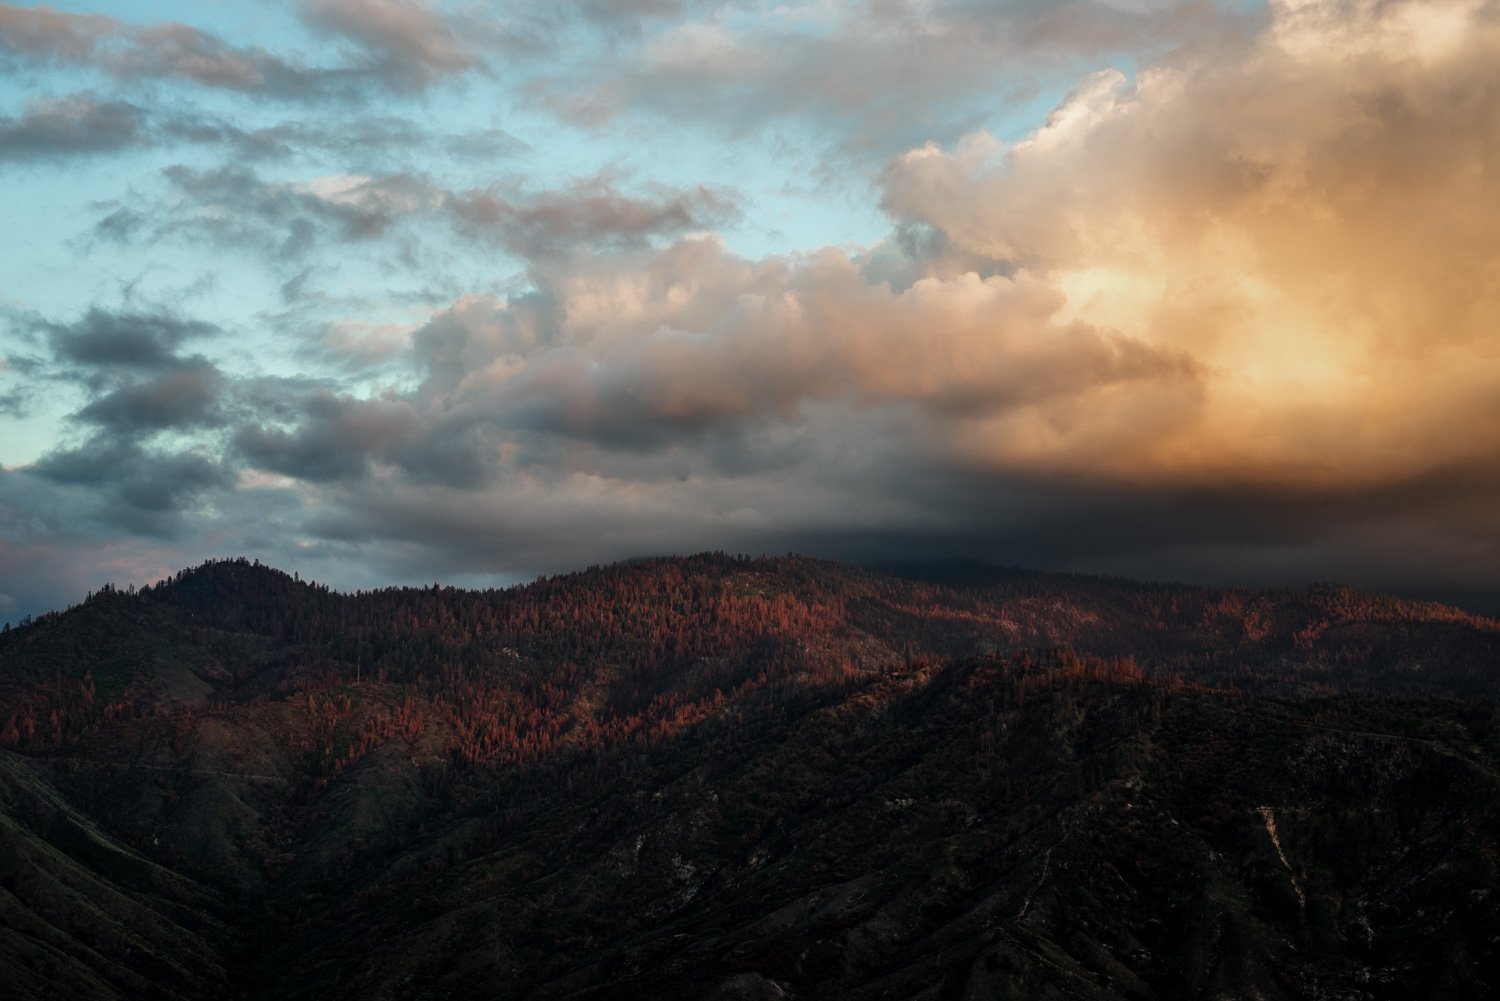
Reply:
x=718 y=777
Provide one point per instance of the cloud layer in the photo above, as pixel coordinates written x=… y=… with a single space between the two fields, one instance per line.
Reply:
x=388 y=43
x=1229 y=317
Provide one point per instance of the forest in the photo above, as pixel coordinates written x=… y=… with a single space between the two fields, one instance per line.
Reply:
x=776 y=776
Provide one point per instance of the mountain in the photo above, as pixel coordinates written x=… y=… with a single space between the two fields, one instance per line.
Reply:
x=718 y=777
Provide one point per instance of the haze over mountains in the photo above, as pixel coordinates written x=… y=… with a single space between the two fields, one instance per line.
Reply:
x=722 y=777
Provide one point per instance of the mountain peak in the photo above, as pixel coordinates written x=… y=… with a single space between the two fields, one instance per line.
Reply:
x=237 y=569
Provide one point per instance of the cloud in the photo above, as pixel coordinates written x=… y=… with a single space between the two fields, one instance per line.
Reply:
x=592 y=212
x=125 y=486
x=635 y=371
x=1229 y=317
x=77 y=124
x=17 y=400
x=693 y=338
x=1299 y=210
x=83 y=124
x=396 y=54
x=185 y=396
x=364 y=140
x=1238 y=306
x=867 y=77
x=148 y=457
x=316 y=435
x=356 y=345
x=137 y=384
x=405 y=42
x=14 y=402
x=235 y=208
x=42 y=35
x=334 y=437
x=630 y=16
x=102 y=337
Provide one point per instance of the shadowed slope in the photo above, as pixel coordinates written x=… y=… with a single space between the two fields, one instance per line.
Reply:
x=722 y=777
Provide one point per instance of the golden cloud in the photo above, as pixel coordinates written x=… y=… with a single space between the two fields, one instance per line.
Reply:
x=1308 y=211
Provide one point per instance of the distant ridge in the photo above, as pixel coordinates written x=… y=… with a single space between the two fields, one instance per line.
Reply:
x=956 y=572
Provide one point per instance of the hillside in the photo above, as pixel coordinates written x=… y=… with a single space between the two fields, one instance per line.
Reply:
x=719 y=777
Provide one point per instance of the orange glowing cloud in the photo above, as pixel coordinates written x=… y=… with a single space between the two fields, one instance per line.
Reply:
x=1309 y=212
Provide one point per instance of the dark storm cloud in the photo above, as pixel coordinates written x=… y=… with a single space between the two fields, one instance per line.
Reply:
x=78 y=124
x=319 y=436
x=333 y=438
x=393 y=56
x=1432 y=534
x=131 y=484
x=63 y=540
x=1224 y=534
x=188 y=395
x=459 y=450
x=137 y=381
x=138 y=384
x=102 y=337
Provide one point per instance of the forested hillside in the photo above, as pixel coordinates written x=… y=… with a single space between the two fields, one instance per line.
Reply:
x=726 y=777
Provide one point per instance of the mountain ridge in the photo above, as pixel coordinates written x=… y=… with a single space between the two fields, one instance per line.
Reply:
x=726 y=777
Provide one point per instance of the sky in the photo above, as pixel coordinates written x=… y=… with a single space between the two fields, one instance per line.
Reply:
x=403 y=291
